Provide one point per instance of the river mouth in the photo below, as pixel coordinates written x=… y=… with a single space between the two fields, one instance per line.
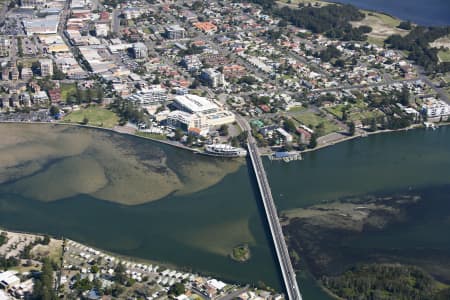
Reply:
x=134 y=197
x=102 y=164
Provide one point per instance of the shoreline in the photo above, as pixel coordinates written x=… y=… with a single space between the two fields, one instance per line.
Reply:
x=134 y=259
x=195 y=151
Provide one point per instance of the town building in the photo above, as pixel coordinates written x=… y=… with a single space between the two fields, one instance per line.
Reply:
x=27 y=74
x=46 y=67
x=174 y=32
x=212 y=77
x=436 y=108
x=5 y=46
x=32 y=3
x=153 y=96
x=198 y=112
x=191 y=62
x=140 y=50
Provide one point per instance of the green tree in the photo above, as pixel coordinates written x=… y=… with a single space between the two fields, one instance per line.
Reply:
x=313 y=141
x=351 y=128
x=43 y=288
x=289 y=125
x=177 y=289
x=85 y=121
x=119 y=274
x=178 y=134
x=223 y=130
x=54 y=110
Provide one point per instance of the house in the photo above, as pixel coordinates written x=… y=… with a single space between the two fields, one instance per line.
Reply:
x=55 y=95
x=206 y=27
x=8 y=279
x=40 y=97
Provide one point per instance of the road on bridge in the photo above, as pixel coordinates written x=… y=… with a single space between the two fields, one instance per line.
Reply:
x=276 y=231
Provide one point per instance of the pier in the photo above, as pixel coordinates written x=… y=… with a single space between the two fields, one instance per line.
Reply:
x=287 y=271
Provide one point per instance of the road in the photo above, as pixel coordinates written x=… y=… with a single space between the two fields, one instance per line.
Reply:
x=115 y=21
x=276 y=231
x=234 y=294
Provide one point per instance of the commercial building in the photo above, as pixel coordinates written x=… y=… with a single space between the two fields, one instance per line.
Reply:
x=26 y=74
x=212 y=77
x=198 y=112
x=174 y=32
x=46 y=67
x=153 y=96
x=436 y=108
x=32 y=3
x=47 y=25
x=195 y=104
x=5 y=46
x=140 y=50
x=191 y=62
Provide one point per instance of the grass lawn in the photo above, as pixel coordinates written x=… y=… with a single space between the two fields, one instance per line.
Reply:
x=444 y=55
x=382 y=18
x=357 y=112
x=312 y=120
x=67 y=89
x=97 y=116
x=151 y=135
x=297 y=109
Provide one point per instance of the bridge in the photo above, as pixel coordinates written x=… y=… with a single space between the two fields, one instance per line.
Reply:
x=276 y=231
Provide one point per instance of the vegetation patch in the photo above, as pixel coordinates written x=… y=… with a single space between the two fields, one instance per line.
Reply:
x=241 y=253
x=95 y=116
x=444 y=55
x=154 y=136
x=68 y=89
x=385 y=281
x=316 y=122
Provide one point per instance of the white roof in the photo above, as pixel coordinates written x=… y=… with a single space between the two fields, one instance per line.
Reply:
x=195 y=103
x=9 y=277
x=216 y=284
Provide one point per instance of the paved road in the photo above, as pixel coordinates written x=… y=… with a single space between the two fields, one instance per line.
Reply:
x=284 y=260
x=116 y=21
x=235 y=294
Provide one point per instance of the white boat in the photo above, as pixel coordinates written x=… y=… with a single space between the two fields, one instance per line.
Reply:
x=225 y=150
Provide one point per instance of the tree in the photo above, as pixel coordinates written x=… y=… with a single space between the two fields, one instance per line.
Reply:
x=178 y=134
x=223 y=130
x=45 y=240
x=85 y=121
x=177 y=289
x=43 y=288
x=351 y=128
x=406 y=25
x=94 y=269
x=313 y=141
x=373 y=124
x=54 y=110
x=119 y=274
x=289 y=125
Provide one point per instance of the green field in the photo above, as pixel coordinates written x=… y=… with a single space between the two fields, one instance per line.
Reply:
x=313 y=120
x=68 y=89
x=444 y=55
x=96 y=116
x=356 y=112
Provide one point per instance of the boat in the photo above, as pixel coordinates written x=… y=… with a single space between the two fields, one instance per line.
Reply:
x=225 y=150
x=430 y=125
